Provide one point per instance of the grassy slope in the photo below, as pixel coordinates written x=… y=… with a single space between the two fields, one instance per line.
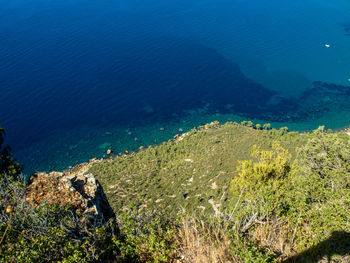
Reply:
x=188 y=173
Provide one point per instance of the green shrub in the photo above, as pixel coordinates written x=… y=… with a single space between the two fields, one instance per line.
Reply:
x=47 y=233
x=322 y=190
x=270 y=166
x=302 y=203
x=261 y=183
x=145 y=238
x=8 y=165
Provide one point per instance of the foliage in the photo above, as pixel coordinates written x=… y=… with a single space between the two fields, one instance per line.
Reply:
x=271 y=166
x=277 y=196
x=145 y=238
x=47 y=233
x=203 y=239
x=267 y=126
x=59 y=234
x=260 y=188
x=8 y=165
x=326 y=154
x=289 y=207
x=322 y=190
x=185 y=174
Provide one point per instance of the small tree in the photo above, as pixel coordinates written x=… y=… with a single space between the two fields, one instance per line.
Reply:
x=260 y=185
x=250 y=124
x=267 y=126
x=247 y=123
x=8 y=165
x=325 y=154
x=284 y=129
x=321 y=177
x=271 y=165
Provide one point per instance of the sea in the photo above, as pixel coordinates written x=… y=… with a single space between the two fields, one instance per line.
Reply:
x=79 y=77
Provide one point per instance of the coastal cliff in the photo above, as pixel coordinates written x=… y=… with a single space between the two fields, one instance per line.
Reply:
x=218 y=193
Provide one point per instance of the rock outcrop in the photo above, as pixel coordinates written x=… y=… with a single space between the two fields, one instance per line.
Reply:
x=73 y=187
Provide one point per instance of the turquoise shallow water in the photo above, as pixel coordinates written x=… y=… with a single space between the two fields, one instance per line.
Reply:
x=78 y=77
x=68 y=147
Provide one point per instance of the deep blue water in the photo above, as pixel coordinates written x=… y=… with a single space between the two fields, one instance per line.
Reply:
x=77 y=77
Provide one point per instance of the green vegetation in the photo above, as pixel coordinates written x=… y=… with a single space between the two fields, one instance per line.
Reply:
x=47 y=233
x=220 y=193
x=279 y=193
x=8 y=165
x=59 y=234
x=184 y=174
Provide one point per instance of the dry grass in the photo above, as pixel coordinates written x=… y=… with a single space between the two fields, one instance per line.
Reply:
x=202 y=243
x=276 y=235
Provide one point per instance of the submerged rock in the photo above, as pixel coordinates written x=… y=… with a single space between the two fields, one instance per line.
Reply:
x=80 y=190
